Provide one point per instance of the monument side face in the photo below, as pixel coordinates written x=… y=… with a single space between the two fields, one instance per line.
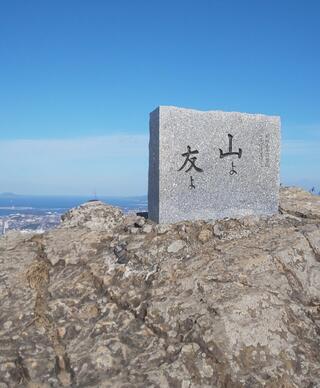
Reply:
x=154 y=178
x=212 y=165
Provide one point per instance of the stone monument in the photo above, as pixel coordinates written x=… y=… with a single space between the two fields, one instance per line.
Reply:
x=212 y=165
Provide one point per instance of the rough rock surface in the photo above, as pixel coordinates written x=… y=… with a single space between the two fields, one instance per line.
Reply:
x=103 y=301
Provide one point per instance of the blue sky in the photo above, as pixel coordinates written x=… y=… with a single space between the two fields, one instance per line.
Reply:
x=78 y=79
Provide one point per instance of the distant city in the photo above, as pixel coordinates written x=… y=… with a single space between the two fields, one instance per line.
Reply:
x=37 y=214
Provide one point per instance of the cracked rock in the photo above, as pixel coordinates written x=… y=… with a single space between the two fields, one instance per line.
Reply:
x=240 y=309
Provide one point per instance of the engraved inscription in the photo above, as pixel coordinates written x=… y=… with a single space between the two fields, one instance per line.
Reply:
x=264 y=150
x=191 y=165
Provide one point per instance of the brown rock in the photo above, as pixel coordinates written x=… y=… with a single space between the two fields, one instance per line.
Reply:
x=91 y=304
x=205 y=235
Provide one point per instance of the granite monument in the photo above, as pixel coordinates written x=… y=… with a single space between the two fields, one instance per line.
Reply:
x=212 y=164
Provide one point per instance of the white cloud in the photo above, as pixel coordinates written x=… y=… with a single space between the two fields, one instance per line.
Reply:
x=113 y=165
x=113 y=145
x=300 y=162
x=301 y=147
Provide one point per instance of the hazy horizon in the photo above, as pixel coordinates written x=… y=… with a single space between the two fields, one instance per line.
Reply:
x=94 y=196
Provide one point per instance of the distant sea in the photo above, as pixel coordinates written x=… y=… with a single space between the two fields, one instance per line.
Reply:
x=41 y=213
x=40 y=205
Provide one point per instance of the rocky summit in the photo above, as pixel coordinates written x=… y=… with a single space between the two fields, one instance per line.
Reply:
x=113 y=300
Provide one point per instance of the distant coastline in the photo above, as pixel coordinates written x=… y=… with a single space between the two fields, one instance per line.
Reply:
x=38 y=213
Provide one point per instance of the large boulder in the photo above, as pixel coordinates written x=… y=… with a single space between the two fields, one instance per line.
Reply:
x=93 y=215
x=108 y=300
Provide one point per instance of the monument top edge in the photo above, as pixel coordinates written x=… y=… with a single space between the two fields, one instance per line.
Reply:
x=177 y=108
